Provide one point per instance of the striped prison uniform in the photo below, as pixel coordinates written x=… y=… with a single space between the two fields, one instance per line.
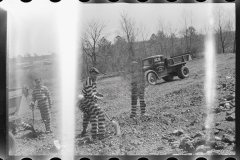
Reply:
x=44 y=102
x=91 y=111
x=137 y=91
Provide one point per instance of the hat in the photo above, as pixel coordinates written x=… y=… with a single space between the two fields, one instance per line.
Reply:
x=37 y=80
x=94 y=70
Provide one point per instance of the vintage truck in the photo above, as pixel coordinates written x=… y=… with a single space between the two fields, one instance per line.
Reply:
x=156 y=67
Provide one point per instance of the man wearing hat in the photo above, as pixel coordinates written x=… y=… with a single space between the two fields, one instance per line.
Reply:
x=137 y=90
x=91 y=111
x=41 y=94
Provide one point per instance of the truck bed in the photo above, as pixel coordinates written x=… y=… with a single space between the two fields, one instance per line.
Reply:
x=177 y=60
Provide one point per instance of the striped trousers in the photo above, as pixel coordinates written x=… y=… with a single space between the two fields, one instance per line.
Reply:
x=135 y=95
x=45 y=113
x=94 y=114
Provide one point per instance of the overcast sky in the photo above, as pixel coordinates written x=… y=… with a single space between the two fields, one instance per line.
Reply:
x=33 y=26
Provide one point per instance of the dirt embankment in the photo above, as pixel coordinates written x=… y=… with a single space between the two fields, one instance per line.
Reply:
x=177 y=122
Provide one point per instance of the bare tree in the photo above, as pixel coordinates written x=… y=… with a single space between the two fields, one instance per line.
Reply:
x=129 y=31
x=144 y=35
x=104 y=50
x=188 y=29
x=172 y=35
x=162 y=36
x=90 y=38
x=223 y=28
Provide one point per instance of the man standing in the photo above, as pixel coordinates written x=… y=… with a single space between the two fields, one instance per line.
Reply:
x=137 y=90
x=91 y=111
x=41 y=94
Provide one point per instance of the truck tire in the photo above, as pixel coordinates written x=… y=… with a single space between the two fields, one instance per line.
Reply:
x=168 y=78
x=151 y=78
x=12 y=143
x=183 y=72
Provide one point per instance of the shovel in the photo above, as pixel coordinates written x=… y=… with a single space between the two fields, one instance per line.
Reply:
x=32 y=127
x=115 y=123
x=115 y=126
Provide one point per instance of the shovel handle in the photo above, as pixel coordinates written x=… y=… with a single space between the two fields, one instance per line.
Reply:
x=108 y=117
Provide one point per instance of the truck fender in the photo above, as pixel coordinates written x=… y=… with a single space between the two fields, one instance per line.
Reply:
x=149 y=71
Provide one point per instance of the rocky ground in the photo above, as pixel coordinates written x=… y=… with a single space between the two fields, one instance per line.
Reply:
x=177 y=122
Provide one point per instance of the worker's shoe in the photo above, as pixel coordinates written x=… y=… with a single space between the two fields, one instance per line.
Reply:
x=145 y=115
x=134 y=116
x=94 y=138
x=83 y=134
x=102 y=136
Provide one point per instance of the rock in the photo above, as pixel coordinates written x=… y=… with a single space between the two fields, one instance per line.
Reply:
x=233 y=104
x=230 y=112
x=199 y=153
x=222 y=108
x=203 y=127
x=217 y=123
x=178 y=132
x=222 y=103
x=170 y=139
x=198 y=134
x=216 y=152
x=234 y=147
x=228 y=97
x=199 y=141
x=160 y=148
x=216 y=131
x=202 y=148
x=228 y=139
x=218 y=145
x=217 y=138
x=217 y=110
x=230 y=117
x=224 y=85
x=227 y=105
x=208 y=153
x=229 y=130
x=186 y=144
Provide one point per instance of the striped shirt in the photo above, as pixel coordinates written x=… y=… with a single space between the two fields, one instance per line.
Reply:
x=40 y=94
x=90 y=89
x=138 y=80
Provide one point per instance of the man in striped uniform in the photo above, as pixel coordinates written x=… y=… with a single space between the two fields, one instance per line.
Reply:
x=91 y=111
x=137 y=89
x=41 y=94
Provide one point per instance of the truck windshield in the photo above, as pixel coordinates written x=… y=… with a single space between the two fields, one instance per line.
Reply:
x=147 y=62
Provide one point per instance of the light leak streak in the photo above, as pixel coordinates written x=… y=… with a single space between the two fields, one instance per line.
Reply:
x=210 y=72
x=68 y=35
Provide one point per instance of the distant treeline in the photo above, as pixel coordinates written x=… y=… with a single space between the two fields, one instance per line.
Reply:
x=28 y=58
x=114 y=57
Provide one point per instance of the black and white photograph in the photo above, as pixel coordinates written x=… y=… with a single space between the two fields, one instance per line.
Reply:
x=119 y=79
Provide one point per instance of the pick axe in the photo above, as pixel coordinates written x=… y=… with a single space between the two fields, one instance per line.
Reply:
x=33 y=105
x=115 y=125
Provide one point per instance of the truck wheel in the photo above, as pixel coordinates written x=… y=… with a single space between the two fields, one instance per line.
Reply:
x=183 y=72
x=168 y=78
x=151 y=78
x=11 y=142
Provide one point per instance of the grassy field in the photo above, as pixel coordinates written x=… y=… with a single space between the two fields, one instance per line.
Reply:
x=175 y=105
